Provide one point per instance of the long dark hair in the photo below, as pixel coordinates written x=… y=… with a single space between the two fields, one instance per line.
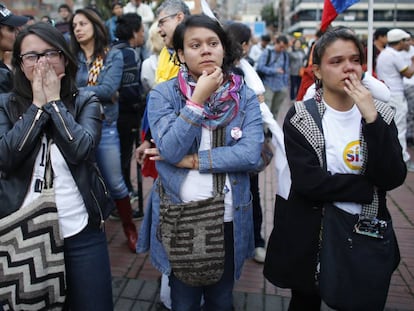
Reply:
x=22 y=86
x=99 y=32
x=231 y=48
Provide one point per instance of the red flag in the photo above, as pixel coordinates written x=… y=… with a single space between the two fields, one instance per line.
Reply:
x=331 y=9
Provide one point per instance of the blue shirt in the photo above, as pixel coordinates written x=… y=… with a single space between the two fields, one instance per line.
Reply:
x=272 y=78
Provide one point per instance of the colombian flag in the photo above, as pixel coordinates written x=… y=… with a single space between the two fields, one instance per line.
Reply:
x=331 y=9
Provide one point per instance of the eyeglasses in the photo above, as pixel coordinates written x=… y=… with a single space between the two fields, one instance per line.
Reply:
x=164 y=19
x=29 y=59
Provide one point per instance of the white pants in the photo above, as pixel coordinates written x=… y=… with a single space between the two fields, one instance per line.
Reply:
x=399 y=103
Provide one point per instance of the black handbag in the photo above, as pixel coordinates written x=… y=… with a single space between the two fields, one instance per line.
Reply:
x=32 y=267
x=193 y=233
x=356 y=261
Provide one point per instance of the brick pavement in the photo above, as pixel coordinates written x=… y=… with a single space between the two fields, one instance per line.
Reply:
x=136 y=282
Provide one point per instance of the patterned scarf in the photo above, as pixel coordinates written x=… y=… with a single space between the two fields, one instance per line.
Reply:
x=95 y=69
x=222 y=106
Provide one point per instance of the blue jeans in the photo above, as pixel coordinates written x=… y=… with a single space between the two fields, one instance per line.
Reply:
x=108 y=157
x=217 y=297
x=88 y=271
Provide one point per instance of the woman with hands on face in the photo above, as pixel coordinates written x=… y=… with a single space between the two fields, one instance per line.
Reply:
x=47 y=114
x=349 y=163
x=183 y=114
x=45 y=82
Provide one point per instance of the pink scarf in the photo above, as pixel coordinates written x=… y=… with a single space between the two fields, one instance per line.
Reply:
x=222 y=106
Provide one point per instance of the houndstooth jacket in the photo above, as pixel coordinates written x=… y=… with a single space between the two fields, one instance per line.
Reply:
x=293 y=245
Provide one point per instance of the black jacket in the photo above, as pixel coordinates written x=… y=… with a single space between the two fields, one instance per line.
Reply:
x=291 y=256
x=6 y=83
x=76 y=133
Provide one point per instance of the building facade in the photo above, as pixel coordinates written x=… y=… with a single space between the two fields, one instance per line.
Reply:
x=305 y=16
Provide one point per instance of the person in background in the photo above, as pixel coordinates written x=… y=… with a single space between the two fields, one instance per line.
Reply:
x=349 y=115
x=46 y=100
x=169 y=14
x=241 y=34
x=100 y=70
x=409 y=94
x=149 y=65
x=30 y=19
x=276 y=74
x=9 y=23
x=308 y=77
x=392 y=67
x=142 y=9
x=379 y=44
x=257 y=49
x=185 y=136
x=63 y=25
x=296 y=62
x=110 y=23
x=47 y=19
x=130 y=34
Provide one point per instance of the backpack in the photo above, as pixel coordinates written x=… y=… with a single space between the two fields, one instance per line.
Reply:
x=260 y=73
x=131 y=96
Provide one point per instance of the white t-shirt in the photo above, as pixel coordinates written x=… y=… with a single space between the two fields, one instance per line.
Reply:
x=408 y=55
x=143 y=10
x=72 y=213
x=255 y=52
x=343 y=154
x=73 y=216
x=390 y=63
x=148 y=69
x=199 y=186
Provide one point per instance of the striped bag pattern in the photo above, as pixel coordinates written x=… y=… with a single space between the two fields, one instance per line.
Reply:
x=32 y=269
x=193 y=237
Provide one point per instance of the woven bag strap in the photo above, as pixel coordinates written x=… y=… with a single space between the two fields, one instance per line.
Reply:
x=219 y=179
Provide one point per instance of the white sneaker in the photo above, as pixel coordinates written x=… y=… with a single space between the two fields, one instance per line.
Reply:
x=410 y=166
x=259 y=254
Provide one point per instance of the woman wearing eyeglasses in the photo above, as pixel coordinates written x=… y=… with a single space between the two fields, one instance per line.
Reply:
x=100 y=70
x=46 y=109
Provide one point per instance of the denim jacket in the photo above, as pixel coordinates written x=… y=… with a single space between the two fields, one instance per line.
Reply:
x=109 y=80
x=176 y=130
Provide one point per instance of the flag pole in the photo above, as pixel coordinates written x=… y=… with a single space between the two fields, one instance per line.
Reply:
x=370 y=39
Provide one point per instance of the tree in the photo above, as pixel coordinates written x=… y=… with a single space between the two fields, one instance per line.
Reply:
x=268 y=15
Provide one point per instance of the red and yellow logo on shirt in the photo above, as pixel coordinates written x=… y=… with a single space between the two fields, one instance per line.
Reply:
x=352 y=155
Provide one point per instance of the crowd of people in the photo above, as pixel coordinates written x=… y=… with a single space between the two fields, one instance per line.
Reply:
x=192 y=100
